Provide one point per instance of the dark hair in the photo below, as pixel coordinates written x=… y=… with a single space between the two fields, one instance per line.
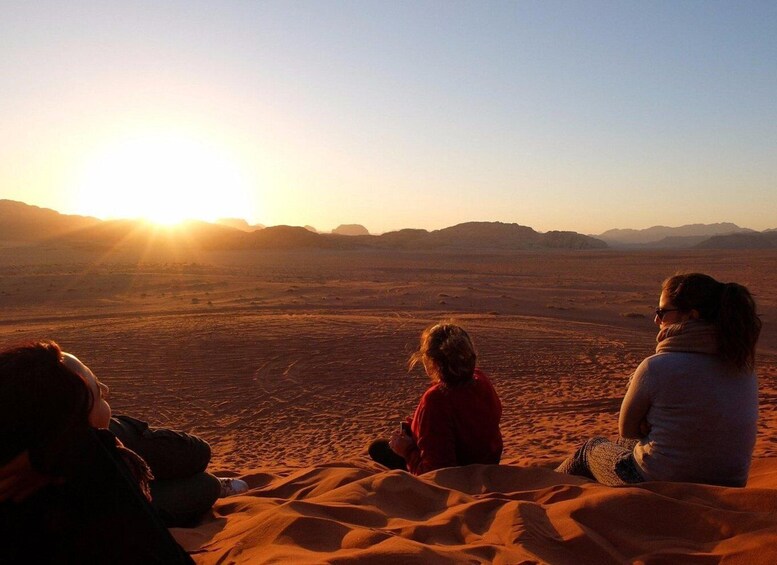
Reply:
x=41 y=400
x=729 y=306
x=447 y=353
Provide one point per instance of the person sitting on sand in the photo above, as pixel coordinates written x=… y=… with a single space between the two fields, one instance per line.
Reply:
x=180 y=488
x=457 y=420
x=691 y=409
x=69 y=491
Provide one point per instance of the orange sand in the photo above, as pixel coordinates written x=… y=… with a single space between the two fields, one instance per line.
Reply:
x=289 y=364
x=353 y=512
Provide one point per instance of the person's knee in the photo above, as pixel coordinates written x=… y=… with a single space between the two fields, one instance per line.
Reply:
x=590 y=445
x=579 y=462
x=377 y=448
x=175 y=455
x=182 y=502
x=201 y=453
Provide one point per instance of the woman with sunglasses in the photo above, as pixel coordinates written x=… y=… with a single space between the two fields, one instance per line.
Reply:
x=690 y=411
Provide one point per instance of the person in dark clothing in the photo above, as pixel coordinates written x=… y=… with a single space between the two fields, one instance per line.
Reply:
x=179 y=487
x=69 y=491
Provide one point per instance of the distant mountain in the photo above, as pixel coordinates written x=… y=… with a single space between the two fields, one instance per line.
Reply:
x=239 y=223
x=495 y=235
x=671 y=242
x=487 y=235
x=408 y=238
x=134 y=233
x=498 y=235
x=20 y=222
x=295 y=237
x=570 y=240
x=667 y=237
x=754 y=240
x=350 y=229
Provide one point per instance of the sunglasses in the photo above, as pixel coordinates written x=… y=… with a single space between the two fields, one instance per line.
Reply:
x=661 y=312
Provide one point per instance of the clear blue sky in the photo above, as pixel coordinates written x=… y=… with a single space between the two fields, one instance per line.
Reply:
x=580 y=116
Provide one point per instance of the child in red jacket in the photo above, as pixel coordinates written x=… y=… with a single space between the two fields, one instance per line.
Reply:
x=457 y=420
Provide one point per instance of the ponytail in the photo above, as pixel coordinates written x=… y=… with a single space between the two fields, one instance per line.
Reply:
x=738 y=326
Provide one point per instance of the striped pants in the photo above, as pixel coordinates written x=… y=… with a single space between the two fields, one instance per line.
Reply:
x=606 y=462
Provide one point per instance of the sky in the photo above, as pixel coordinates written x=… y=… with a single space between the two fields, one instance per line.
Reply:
x=582 y=116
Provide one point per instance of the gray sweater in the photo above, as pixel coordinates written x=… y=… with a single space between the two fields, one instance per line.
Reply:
x=701 y=415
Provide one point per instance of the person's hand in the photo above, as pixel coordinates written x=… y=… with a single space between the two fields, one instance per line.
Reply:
x=401 y=443
x=18 y=479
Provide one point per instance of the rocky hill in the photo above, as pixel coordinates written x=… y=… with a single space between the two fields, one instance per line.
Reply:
x=350 y=229
x=668 y=237
x=239 y=223
x=20 y=222
x=753 y=240
x=486 y=235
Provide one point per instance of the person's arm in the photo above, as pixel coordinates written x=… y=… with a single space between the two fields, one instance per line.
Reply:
x=169 y=454
x=632 y=422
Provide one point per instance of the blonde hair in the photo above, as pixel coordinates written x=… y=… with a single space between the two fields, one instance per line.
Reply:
x=447 y=353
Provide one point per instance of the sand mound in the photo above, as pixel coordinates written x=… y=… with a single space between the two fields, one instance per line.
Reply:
x=353 y=512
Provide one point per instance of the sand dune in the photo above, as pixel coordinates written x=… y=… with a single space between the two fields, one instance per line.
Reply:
x=289 y=364
x=352 y=512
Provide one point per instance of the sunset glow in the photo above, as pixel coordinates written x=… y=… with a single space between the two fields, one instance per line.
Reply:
x=164 y=178
x=554 y=115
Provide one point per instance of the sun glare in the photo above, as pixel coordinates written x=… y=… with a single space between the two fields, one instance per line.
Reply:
x=165 y=179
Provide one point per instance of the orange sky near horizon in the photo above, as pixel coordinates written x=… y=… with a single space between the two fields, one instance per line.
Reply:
x=556 y=115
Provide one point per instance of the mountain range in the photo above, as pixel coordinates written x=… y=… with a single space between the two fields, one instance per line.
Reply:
x=668 y=238
x=20 y=222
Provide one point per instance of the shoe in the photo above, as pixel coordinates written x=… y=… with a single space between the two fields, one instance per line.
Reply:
x=231 y=487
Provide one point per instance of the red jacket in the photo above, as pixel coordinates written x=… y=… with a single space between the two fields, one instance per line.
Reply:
x=456 y=426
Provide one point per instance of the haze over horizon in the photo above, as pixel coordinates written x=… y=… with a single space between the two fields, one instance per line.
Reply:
x=617 y=236
x=555 y=115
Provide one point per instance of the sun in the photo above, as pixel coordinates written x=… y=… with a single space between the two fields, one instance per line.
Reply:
x=164 y=178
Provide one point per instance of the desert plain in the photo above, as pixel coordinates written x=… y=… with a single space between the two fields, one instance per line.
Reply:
x=290 y=363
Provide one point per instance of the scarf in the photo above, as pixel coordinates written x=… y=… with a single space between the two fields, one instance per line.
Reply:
x=691 y=336
x=138 y=468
